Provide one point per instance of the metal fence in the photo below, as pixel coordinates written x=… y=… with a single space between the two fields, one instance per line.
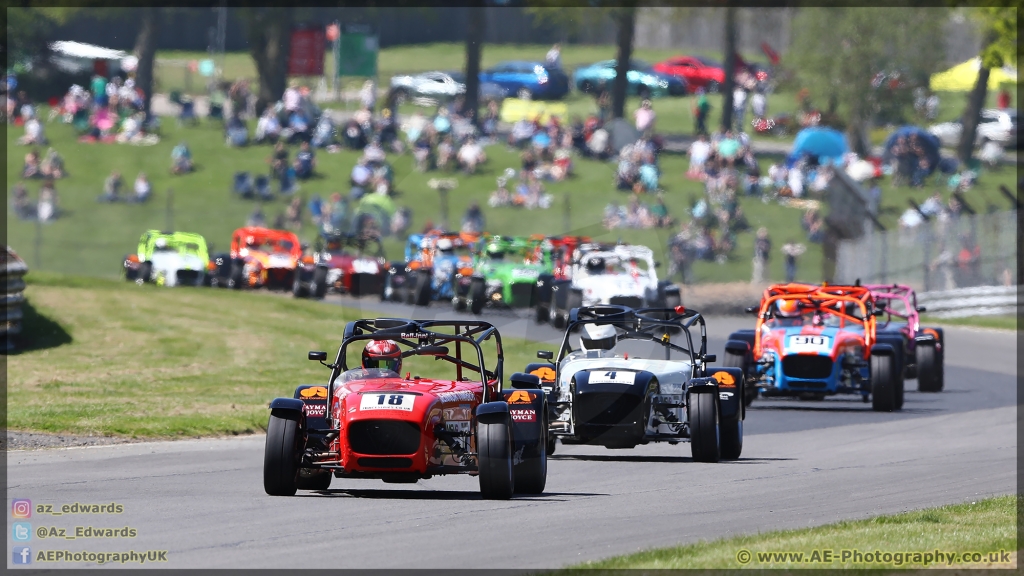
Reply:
x=939 y=254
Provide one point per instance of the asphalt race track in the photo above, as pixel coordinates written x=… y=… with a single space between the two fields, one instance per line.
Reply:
x=804 y=463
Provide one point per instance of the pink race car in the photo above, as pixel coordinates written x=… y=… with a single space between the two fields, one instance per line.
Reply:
x=923 y=346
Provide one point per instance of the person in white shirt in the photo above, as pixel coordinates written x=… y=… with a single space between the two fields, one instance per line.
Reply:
x=554 y=57
x=739 y=105
x=291 y=99
x=645 y=118
x=699 y=152
x=470 y=155
x=142 y=187
x=759 y=104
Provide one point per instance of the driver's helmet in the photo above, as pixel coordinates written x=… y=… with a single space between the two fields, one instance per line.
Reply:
x=495 y=251
x=333 y=244
x=788 y=308
x=597 y=337
x=595 y=265
x=383 y=354
x=445 y=245
x=160 y=244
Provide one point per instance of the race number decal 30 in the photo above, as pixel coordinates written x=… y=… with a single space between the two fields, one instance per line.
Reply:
x=809 y=343
x=612 y=377
x=387 y=401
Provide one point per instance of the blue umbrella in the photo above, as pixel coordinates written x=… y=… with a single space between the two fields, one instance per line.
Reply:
x=929 y=143
x=825 y=143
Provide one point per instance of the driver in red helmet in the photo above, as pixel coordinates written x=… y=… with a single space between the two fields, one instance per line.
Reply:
x=382 y=354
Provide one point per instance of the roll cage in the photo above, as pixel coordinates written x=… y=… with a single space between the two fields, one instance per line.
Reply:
x=423 y=248
x=277 y=238
x=885 y=294
x=533 y=249
x=832 y=300
x=421 y=338
x=644 y=324
x=187 y=242
x=364 y=245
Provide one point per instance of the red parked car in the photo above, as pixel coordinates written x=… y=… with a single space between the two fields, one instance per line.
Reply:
x=700 y=72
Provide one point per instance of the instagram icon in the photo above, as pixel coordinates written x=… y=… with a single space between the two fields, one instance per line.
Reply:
x=21 y=508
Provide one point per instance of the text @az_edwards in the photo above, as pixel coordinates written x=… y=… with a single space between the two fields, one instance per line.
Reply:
x=83 y=532
x=855 y=556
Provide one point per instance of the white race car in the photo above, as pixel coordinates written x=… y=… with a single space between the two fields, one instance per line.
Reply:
x=169 y=259
x=624 y=275
x=630 y=382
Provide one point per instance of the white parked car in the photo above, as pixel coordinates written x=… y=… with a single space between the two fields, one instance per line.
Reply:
x=622 y=274
x=995 y=125
x=628 y=384
x=439 y=87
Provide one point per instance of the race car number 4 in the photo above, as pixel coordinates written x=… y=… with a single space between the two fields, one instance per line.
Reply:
x=612 y=377
x=386 y=401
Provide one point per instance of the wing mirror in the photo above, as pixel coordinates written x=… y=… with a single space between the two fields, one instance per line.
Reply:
x=318 y=356
x=545 y=354
x=922 y=309
x=710 y=357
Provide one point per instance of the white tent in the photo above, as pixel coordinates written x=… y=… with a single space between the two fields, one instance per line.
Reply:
x=79 y=57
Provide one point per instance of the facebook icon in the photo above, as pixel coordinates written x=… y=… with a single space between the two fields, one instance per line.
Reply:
x=21 y=555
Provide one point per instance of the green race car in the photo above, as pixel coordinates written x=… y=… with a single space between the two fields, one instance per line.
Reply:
x=505 y=273
x=169 y=259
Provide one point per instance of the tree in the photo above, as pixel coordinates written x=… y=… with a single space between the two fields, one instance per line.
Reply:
x=729 y=65
x=999 y=46
x=145 y=51
x=269 y=35
x=837 y=51
x=474 y=48
x=625 y=20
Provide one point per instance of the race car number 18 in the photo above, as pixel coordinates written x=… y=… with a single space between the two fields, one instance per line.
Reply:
x=402 y=402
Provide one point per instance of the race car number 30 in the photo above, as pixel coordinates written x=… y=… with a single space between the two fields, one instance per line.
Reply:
x=387 y=401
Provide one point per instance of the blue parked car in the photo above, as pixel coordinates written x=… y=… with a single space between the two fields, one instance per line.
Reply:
x=643 y=80
x=528 y=80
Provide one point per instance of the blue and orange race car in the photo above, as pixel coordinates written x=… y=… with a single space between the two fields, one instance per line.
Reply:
x=815 y=341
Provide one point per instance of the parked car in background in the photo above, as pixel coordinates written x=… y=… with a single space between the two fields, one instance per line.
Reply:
x=643 y=80
x=528 y=80
x=701 y=72
x=995 y=125
x=440 y=87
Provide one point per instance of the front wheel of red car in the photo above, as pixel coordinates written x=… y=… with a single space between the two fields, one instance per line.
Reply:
x=281 y=458
x=494 y=446
x=532 y=473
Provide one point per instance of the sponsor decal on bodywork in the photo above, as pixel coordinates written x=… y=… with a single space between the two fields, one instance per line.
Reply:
x=544 y=373
x=313 y=392
x=523 y=414
x=521 y=397
x=315 y=410
x=724 y=379
x=385 y=401
x=457 y=426
x=460 y=396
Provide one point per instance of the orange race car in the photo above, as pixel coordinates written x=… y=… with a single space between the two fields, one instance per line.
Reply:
x=260 y=257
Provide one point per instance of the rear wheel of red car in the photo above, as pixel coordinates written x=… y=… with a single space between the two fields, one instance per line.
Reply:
x=703 y=418
x=236 y=280
x=281 y=456
x=494 y=447
x=929 y=370
x=883 y=393
x=532 y=473
x=314 y=480
x=298 y=288
x=319 y=287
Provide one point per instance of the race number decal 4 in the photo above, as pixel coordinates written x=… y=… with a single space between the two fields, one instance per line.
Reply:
x=612 y=377
x=809 y=344
x=387 y=401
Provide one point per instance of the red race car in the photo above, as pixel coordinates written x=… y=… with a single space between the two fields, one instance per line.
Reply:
x=346 y=264
x=260 y=257
x=700 y=72
x=369 y=421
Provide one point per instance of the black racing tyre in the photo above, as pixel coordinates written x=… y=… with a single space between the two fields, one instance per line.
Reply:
x=532 y=473
x=730 y=431
x=730 y=360
x=494 y=454
x=552 y=443
x=145 y=273
x=421 y=293
x=541 y=314
x=281 y=456
x=883 y=393
x=298 y=288
x=318 y=289
x=235 y=280
x=318 y=480
x=929 y=370
x=899 y=346
x=704 y=429
x=477 y=296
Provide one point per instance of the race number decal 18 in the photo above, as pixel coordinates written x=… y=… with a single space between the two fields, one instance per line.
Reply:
x=387 y=401
x=612 y=377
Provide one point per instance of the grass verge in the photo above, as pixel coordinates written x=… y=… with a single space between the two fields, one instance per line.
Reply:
x=1002 y=321
x=111 y=358
x=983 y=526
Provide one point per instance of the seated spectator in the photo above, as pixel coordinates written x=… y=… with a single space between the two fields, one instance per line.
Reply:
x=278 y=161
x=360 y=175
x=298 y=127
x=470 y=155
x=445 y=152
x=648 y=177
x=422 y=153
x=373 y=154
x=261 y=185
x=188 y=112
x=31 y=169
x=932 y=206
x=52 y=165
x=323 y=134
x=47 y=208
x=143 y=189
x=660 y=213
x=236 y=133
x=354 y=137
x=473 y=221
x=599 y=144
x=243 y=185
x=442 y=123
x=628 y=172
x=305 y=161
x=490 y=120
x=501 y=196
x=268 y=128
x=131 y=129
x=522 y=133
x=562 y=167
x=699 y=152
x=21 y=204
x=112 y=188
x=33 y=132
x=181 y=159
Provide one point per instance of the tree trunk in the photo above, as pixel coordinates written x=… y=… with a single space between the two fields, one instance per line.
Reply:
x=855 y=134
x=972 y=115
x=269 y=31
x=474 y=48
x=729 y=65
x=627 y=23
x=145 y=51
